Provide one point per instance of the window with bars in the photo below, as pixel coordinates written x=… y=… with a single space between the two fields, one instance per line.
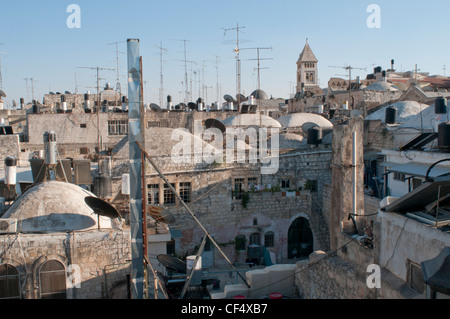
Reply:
x=9 y=282
x=169 y=196
x=269 y=239
x=117 y=127
x=153 y=194
x=185 y=192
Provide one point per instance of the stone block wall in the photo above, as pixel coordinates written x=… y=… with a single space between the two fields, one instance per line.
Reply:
x=101 y=255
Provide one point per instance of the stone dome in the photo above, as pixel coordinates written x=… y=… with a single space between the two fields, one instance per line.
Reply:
x=55 y=207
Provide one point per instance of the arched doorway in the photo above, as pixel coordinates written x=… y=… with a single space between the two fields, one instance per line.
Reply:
x=300 y=239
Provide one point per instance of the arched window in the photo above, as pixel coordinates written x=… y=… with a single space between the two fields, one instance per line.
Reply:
x=240 y=242
x=300 y=239
x=9 y=282
x=307 y=77
x=52 y=279
x=269 y=239
x=255 y=239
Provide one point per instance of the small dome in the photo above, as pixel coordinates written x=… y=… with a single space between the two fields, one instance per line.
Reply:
x=260 y=95
x=55 y=207
x=258 y=120
x=304 y=121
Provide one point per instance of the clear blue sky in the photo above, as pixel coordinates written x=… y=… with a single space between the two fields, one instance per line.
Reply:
x=39 y=45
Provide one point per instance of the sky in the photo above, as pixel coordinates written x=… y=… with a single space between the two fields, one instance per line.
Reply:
x=36 y=42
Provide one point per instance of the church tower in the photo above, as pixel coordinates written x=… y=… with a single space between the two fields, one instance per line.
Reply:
x=307 y=72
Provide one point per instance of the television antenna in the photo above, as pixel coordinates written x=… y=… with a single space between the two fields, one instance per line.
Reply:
x=349 y=68
x=238 y=61
x=259 y=62
x=186 y=93
x=98 y=69
x=161 y=86
x=1 y=76
x=32 y=88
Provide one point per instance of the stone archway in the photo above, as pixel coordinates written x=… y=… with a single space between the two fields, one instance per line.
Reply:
x=300 y=239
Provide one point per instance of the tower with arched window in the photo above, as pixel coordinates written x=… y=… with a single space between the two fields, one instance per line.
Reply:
x=307 y=71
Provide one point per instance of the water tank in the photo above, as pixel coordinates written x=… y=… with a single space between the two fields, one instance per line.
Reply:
x=314 y=136
x=10 y=170
x=440 y=105
x=126 y=184
x=391 y=115
x=196 y=278
x=444 y=135
x=377 y=69
x=103 y=186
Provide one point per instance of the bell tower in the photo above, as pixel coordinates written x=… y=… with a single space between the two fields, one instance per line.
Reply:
x=307 y=71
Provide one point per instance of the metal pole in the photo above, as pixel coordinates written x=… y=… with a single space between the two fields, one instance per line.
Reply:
x=134 y=137
x=190 y=212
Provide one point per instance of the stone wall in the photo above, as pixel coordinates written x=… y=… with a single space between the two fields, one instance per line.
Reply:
x=101 y=255
x=9 y=146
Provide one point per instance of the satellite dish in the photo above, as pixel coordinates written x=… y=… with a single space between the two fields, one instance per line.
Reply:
x=67 y=92
x=209 y=123
x=100 y=207
x=172 y=264
x=52 y=93
x=183 y=106
x=192 y=106
x=241 y=97
x=155 y=107
x=228 y=98
x=3 y=94
x=160 y=214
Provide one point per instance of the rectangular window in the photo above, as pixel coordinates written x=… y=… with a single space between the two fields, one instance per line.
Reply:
x=82 y=125
x=117 y=127
x=153 y=194
x=252 y=183
x=399 y=177
x=416 y=281
x=416 y=182
x=185 y=192
x=84 y=151
x=169 y=196
x=238 y=188
x=285 y=183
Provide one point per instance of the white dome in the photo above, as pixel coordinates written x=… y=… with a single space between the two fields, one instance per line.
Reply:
x=298 y=120
x=55 y=207
x=251 y=120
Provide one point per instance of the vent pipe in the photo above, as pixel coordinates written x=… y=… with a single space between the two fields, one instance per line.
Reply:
x=50 y=148
x=136 y=197
x=354 y=179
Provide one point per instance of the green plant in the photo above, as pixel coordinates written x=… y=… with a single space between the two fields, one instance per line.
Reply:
x=245 y=197
x=276 y=188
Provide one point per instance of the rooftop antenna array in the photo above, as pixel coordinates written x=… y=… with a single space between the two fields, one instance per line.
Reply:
x=186 y=90
x=1 y=76
x=238 y=61
x=118 y=85
x=349 y=68
x=161 y=87
x=259 y=62
x=98 y=69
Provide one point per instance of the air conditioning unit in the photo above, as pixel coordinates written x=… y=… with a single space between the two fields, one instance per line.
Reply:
x=8 y=225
